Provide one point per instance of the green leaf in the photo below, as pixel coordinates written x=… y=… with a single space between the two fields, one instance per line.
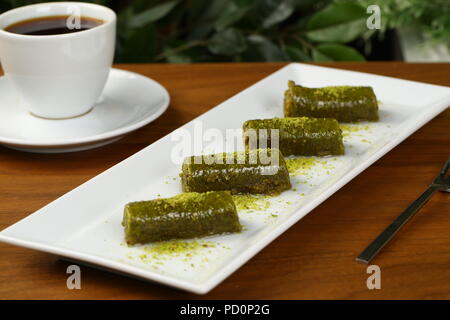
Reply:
x=122 y=20
x=232 y=13
x=281 y=13
x=296 y=54
x=229 y=43
x=153 y=14
x=140 y=45
x=203 y=23
x=336 y=52
x=269 y=50
x=339 y=22
x=179 y=58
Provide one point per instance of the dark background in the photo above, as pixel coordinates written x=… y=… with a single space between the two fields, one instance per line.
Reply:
x=183 y=31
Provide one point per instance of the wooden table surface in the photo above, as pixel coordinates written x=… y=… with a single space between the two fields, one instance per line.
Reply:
x=314 y=259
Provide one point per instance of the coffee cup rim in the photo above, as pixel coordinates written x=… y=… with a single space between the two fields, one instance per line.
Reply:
x=104 y=25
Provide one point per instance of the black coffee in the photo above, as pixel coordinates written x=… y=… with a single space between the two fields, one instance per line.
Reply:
x=52 y=25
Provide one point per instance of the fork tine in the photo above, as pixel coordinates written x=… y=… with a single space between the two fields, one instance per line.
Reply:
x=445 y=168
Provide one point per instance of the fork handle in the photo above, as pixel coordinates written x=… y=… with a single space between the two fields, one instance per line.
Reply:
x=372 y=250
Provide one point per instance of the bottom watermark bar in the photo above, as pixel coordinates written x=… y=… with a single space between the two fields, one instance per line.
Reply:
x=223 y=309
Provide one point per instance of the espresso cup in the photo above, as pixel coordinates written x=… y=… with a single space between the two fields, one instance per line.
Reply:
x=61 y=75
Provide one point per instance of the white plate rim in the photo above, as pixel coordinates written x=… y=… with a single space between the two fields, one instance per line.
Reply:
x=103 y=136
x=257 y=246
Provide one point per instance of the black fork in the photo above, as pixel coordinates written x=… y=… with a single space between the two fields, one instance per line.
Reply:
x=440 y=183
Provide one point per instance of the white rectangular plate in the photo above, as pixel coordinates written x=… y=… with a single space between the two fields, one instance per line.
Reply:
x=85 y=225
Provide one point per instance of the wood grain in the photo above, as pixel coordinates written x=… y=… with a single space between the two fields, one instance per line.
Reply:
x=313 y=260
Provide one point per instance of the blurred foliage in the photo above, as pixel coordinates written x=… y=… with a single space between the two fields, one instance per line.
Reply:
x=183 y=31
x=429 y=16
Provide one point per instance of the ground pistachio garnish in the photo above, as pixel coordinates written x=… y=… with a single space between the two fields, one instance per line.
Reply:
x=174 y=248
x=300 y=165
x=250 y=202
x=332 y=91
x=348 y=129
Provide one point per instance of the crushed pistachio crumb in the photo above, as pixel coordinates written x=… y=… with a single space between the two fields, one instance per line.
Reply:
x=349 y=129
x=174 y=248
x=300 y=165
x=303 y=165
x=251 y=202
x=337 y=92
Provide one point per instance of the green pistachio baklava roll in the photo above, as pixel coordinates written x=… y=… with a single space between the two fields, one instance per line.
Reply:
x=295 y=136
x=261 y=171
x=188 y=215
x=344 y=103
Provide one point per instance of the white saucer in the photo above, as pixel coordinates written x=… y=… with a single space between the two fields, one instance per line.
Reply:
x=128 y=102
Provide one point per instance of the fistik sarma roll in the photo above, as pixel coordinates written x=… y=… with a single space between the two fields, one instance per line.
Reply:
x=187 y=215
x=344 y=103
x=261 y=171
x=296 y=136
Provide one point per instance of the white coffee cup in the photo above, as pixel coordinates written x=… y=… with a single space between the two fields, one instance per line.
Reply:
x=62 y=75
